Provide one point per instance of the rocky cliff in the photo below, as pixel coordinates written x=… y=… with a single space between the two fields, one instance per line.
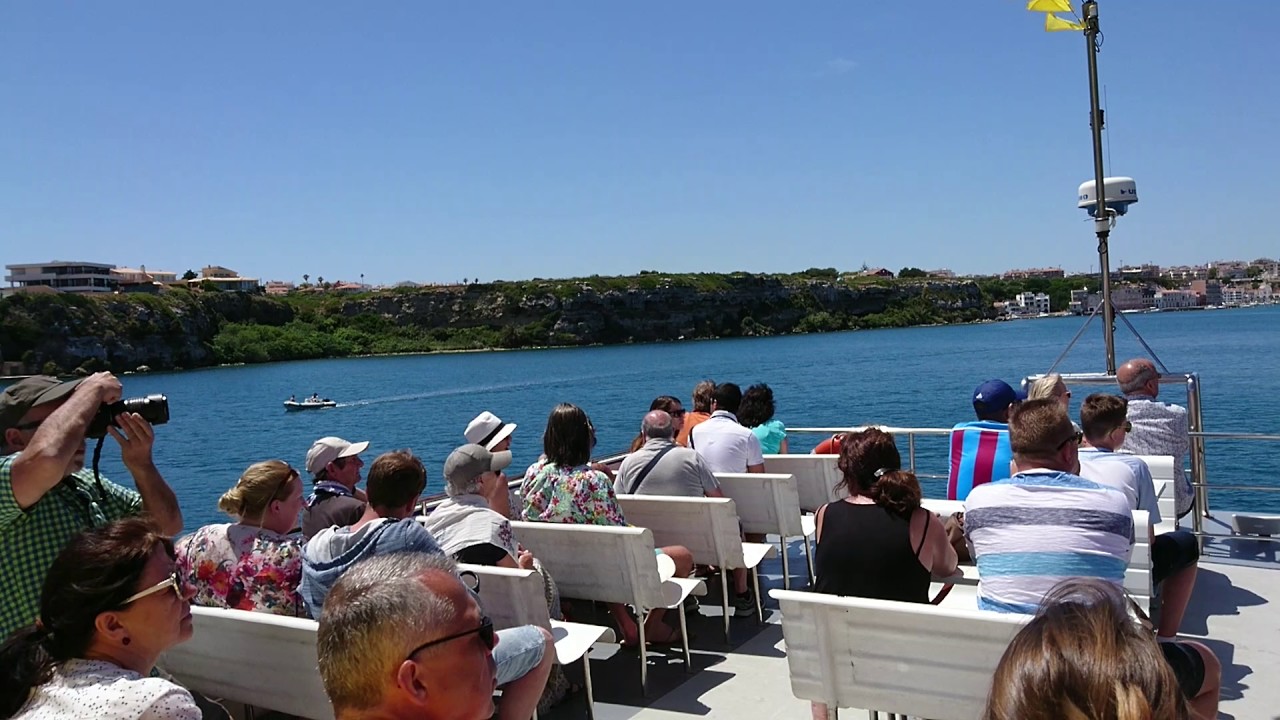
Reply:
x=184 y=329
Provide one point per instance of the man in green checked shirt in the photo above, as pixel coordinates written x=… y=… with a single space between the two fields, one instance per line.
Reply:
x=47 y=495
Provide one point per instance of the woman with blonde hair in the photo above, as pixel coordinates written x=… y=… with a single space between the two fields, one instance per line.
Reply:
x=256 y=562
x=1050 y=386
x=1090 y=654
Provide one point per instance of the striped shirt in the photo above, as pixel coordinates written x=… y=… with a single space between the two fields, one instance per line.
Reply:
x=1037 y=528
x=980 y=453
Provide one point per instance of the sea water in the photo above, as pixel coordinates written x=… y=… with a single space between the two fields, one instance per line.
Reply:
x=224 y=419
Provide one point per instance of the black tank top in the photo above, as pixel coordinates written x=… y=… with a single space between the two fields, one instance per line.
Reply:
x=865 y=551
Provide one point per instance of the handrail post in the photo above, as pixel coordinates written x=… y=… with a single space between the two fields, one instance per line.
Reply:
x=911 y=451
x=1195 y=418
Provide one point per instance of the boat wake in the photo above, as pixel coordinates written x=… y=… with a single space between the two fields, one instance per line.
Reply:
x=473 y=389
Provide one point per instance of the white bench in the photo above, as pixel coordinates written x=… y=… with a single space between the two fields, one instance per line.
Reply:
x=769 y=504
x=612 y=565
x=708 y=527
x=1161 y=467
x=258 y=659
x=514 y=597
x=817 y=477
x=907 y=658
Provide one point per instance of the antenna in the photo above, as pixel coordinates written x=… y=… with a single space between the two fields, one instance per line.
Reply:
x=1106 y=130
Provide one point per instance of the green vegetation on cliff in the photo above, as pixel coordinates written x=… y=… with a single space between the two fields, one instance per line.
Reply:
x=179 y=328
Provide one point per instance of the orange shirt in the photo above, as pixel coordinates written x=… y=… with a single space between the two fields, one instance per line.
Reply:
x=691 y=419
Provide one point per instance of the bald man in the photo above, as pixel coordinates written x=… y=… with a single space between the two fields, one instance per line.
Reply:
x=1158 y=428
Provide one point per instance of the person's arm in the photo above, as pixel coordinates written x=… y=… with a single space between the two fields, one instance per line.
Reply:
x=755 y=455
x=158 y=499
x=47 y=458
x=945 y=560
x=782 y=447
x=817 y=523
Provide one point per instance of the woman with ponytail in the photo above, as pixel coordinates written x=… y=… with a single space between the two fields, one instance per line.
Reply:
x=112 y=602
x=878 y=542
x=256 y=562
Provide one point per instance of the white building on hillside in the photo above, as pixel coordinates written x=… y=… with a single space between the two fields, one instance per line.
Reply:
x=63 y=275
x=1028 y=303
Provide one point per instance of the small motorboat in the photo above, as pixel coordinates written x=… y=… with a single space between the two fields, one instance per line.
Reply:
x=294 y=406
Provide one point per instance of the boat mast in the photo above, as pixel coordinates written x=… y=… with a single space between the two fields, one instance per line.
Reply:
x=1102 y=219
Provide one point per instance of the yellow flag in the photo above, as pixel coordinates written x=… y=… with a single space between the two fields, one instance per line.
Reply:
x=1049 y=6
x=1053 y=23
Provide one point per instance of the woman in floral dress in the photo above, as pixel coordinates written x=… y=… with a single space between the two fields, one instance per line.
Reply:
x=565 y=487
x=255 y=563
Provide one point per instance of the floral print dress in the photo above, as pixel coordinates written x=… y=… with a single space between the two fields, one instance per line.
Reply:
x=579 y=495
x=245 y=568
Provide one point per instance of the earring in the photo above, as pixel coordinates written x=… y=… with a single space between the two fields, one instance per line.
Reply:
x=126 y=641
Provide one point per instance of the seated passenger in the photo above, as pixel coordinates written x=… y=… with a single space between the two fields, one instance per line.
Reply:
x=488 y=430
x=563 y=487
x=112 y=602
x=256 y=562
x=701 y=403
x=980 y=450
x=1175 y=554
x=671 y=406
x=1050 y=387
x=404 y=639
x=660 y=467
x=1084 y=656
x=396 y=480
x=335 y=499
x=1045 y=525
x=465 y=525
x=878 y=542
x=756 y=414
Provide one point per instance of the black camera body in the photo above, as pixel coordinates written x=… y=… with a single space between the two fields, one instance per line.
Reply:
x=153 y=408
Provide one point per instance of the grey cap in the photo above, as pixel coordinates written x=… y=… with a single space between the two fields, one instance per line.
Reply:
x=471 y=461
x=18 y=399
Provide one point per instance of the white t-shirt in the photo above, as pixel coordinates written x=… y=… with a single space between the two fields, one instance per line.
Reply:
x=726 y=446
x=98 y=690
x=1126 y=473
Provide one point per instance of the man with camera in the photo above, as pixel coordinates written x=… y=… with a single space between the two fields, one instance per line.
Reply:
x=46 y=493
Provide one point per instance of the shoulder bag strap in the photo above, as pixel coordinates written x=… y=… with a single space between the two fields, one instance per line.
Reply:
x=644 y=472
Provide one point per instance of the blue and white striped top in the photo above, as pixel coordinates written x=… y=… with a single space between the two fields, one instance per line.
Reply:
x=1040 y=527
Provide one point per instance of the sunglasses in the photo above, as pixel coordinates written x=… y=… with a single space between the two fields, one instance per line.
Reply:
x=485 y=631
x=1075 y=437
x=676 y=413
x=170 y=582
x=1128 y=426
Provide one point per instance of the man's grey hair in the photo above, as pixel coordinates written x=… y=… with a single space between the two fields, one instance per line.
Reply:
x=657 y=424
x=453 y=488
x=1140 y=379
x=374 y=616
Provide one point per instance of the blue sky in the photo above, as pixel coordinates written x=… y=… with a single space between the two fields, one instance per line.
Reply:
x=433 y=141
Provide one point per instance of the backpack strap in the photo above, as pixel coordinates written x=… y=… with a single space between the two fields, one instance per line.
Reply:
x=644 y=472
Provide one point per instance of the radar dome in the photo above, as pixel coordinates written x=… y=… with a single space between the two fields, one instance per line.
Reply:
x=1121 y=193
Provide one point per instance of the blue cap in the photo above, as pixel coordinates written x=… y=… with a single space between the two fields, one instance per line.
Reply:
x=993 y=396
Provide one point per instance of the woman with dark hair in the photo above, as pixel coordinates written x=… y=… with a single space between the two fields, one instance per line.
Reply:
x=255 y=563
x=756 y=414
x=670 y=406
x=563 y=487
x=111 y=603
x=1085 y=656
x=878 y=542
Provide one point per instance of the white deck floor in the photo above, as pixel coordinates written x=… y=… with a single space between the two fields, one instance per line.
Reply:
x=1230 y=611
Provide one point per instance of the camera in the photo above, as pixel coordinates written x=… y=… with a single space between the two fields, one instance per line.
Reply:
x=153 y=408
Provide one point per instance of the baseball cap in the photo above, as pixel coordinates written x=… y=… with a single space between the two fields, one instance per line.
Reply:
x=472 y=460
x=488 y=430
x=993 y=396
x=327 y=449
x=23 y=395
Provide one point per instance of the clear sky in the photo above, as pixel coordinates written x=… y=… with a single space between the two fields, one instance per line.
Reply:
x=433 y=141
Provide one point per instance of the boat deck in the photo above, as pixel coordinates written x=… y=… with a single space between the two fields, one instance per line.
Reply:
x=1229 y=611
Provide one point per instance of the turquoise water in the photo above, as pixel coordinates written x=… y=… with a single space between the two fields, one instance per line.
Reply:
x=226 y=418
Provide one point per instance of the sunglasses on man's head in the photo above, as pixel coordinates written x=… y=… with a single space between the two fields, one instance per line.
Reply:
x=485 y=631
x=1075 y=437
